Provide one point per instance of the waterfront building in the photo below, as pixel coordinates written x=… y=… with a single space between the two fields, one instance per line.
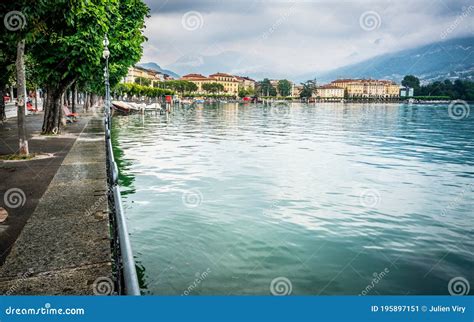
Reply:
x=140 y=72
x=297 y=89
x=330 y=92
x=199 y=80
x=231 y=83
x=368 y=88
x=246 y=83
x=393 y=90
x=406 y=92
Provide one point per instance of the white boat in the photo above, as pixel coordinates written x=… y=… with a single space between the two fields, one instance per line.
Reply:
x=126 y=108
x=153 y=107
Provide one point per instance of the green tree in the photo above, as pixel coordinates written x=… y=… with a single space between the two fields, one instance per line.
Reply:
x=207 y=87
x=266 y=88
x=219 y=88
x=246 y=92
x=460 y=89
x=7 y=59
x=14 y=35
x=132 y=89
x=70 y=34
x=309 y=88
x=180 y=86
x=191 y=87
x=143 y=81
x=413 y=82
x=284 y=87
x=213 y=87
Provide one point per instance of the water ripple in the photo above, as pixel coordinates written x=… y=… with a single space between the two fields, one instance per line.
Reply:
x=325 y=195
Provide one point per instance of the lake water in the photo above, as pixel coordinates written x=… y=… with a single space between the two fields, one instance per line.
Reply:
x=323 y=199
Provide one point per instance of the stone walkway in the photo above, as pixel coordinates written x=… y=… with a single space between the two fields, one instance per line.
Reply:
x=29 y=178
x=65 y=247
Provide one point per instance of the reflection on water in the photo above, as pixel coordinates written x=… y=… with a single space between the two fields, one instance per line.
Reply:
x=325 y=196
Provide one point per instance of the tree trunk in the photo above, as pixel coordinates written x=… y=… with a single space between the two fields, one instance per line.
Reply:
x=21 y=101
x=3 y=116
x=69 y=97
x=54 y=108
x=52 y=112
x=74 y=98
x=45 y=103
x=86 y=102
x=36 y=99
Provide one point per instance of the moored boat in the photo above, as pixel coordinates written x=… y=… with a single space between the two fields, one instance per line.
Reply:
x=124 y=108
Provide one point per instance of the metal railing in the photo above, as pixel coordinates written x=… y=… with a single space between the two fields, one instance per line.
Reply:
x=127 y=273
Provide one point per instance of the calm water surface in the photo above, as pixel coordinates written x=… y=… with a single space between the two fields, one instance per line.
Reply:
x=337 y=199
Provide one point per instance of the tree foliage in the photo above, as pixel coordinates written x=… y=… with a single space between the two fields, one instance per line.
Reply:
x=213 y=87
x=413 y=82
x=64 y=44
x=459 y=89
x=265 y=88
x=180 y=86
x=284 y=87
x=309 y=88
x=143 y=81
x=246 y=92
x=132 y=89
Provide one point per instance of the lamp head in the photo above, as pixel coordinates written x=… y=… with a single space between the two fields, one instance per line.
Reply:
x=105 y=41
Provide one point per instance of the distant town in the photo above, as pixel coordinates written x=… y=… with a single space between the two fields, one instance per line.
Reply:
x=242 y=86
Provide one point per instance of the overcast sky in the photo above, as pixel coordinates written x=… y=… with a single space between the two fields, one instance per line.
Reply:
x=297 y=36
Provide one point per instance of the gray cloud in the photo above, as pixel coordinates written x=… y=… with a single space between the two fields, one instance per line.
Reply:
x=296 y=36
x=204 y=6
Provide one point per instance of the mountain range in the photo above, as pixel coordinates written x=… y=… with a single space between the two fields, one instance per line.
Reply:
x=440 y=60
x=157 y=68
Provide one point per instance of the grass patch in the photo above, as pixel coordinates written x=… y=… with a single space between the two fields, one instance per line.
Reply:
x=16 y=157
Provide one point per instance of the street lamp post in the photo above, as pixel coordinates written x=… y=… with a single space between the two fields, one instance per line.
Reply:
x=106 y=54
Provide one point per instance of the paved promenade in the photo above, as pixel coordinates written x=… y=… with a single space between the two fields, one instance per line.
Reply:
x=64 y=247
